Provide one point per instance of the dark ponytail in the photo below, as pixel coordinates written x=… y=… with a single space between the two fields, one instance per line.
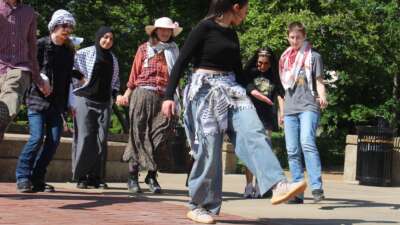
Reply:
x=218 y=7
x=263 y=52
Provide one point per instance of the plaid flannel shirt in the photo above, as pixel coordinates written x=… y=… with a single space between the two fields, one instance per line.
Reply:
x=18 y=40
x=155 y=74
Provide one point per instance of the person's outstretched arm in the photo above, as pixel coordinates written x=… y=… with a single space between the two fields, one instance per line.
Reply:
x=192 y=43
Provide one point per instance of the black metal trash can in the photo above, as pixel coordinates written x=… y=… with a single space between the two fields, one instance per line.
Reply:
x=374 y=155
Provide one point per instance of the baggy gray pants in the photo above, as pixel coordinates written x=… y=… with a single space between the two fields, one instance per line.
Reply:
x=247 y=134
x=89 y=153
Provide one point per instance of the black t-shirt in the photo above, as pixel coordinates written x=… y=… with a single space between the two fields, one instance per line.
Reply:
x=62 y=77
x=211 y=46
x=270 y=86
x=56 y=62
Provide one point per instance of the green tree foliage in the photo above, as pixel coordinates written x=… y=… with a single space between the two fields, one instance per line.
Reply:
x=359 y=39
x=127 y=18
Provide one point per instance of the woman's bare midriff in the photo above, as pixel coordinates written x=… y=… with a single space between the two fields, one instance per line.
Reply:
x=207 y=70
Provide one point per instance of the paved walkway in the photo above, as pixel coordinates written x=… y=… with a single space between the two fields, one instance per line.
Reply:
x=345 y=204
x=83 y=208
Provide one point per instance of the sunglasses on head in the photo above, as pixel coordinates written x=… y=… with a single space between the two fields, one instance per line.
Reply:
x=264 y=53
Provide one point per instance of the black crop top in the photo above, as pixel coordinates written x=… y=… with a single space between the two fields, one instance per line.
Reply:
x=210 y=46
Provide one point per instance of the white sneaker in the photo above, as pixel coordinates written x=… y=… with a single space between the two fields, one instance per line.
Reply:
x=200 y=215
x=283 y=191
x=257 y=193
x=248 y=191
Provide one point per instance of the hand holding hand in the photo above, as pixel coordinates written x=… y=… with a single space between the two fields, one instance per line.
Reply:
x=122 y=100
x=45 y=88
x=168 y=108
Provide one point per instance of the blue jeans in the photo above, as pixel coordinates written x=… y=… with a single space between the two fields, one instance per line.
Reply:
x=251 y=146
x=300 y=133
x=36 y=155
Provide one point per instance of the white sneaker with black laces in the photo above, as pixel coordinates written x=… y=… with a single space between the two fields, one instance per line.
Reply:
x=283 y=191
x=200 y=215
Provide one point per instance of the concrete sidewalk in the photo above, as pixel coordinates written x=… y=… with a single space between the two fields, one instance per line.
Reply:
x=345 y=204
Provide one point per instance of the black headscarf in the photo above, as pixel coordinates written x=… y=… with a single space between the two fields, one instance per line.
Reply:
x=99 y=87
x=101 y=53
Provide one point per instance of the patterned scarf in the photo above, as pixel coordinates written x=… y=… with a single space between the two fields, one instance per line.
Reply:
x=59 y=17
x=292 y=62
x=223 y=92
x=170 y=50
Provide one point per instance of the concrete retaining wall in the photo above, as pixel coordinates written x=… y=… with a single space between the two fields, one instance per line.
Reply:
x=59 y=169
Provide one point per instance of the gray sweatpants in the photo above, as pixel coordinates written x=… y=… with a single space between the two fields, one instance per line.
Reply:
x=89 y=153
x=13 y=85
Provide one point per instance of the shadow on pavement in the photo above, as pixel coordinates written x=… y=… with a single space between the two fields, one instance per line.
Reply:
x=88 y=200
x=301 y=221
x=337 y=203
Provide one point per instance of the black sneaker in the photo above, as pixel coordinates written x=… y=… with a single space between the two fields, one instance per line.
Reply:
x=133 y=184
x=91 y=182
x=97 y=183
x=24 y=187
x=295 y=200
x=318 y=195
x=151 y=180
x=82 y=184
x=43 y=187
x=101 y=185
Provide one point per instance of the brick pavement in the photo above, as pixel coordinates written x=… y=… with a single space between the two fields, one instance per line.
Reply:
x=76 y=207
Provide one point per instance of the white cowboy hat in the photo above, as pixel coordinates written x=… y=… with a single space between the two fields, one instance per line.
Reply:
x=164 y=22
